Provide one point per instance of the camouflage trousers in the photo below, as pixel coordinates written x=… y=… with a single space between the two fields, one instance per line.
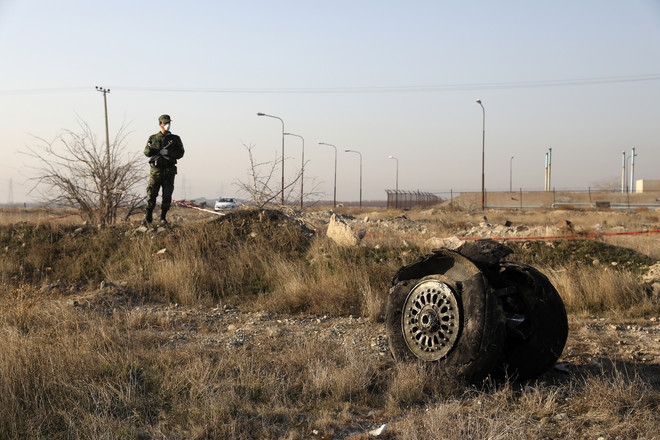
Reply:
x=160 y=178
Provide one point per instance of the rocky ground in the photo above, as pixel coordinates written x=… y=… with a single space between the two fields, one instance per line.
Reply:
x=594 y=343
x=590 y=341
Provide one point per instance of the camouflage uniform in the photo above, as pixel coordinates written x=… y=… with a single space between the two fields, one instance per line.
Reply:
x=163 y=168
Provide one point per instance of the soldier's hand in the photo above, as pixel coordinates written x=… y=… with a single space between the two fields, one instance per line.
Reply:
x=164 y=152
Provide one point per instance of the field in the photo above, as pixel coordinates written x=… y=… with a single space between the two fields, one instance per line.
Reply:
x=255 y=325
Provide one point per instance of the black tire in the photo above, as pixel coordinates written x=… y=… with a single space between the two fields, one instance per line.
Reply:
x=537 y=325
x=474 y=341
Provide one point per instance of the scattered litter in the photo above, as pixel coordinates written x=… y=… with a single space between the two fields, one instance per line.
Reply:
x=564 y=367
x=378 y=431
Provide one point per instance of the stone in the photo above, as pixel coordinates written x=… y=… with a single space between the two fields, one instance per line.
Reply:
x=340 y=232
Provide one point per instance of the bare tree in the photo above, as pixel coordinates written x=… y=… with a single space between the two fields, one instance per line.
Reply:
x=77 y=171
x=261 y=187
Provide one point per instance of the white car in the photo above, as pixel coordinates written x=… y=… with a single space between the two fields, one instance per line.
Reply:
x=225 y=203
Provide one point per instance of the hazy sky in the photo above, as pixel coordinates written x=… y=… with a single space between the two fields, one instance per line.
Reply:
x=380 y=77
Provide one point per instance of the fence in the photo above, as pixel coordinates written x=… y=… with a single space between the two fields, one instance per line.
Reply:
x=588 y=198
x=399 y=199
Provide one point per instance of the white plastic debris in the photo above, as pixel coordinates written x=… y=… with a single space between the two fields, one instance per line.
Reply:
x=378 y=431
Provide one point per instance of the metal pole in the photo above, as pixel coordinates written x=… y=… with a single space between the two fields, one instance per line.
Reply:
x=483 y=157
x=623 y=172
x=549 y=168
x=107 y=132
x=632 y=170
x=360 y=154
x=396 y=194
x=271 y=116
x=511 y=174
x=106 y=189
x=334 y=197
x=545 y=177
x=302 y=167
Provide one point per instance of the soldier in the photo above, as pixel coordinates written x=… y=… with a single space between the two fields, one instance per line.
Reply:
x=163 y=148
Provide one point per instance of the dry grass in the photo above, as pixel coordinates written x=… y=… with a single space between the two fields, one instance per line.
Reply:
x=123 y=362
x=613 y=405
x=588 y=290
x=39 y=215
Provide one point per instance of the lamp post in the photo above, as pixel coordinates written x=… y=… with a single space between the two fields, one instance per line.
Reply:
x=545 y=182
x=550 y=169
x=360 y=154
x=511 y=174
x=302 y=166
x=483 y=157
x=334 y=197
x=275 y=117
x=396 y=189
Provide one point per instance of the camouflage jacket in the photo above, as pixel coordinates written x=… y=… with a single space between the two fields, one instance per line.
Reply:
x=161 y=141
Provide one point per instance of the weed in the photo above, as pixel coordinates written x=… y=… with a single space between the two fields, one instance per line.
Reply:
x=123 y=361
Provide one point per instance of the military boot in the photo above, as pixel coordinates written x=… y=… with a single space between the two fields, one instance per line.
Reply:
x=149 y=216
x=163 y=215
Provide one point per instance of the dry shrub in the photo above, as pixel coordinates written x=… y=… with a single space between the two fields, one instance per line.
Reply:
x=39 y=215
x=113 y=372
x=589 y=407
x=407 y=386
x=310 y=289
x=116 y=367
x=647 y=244
x=344 y=375
x=209 y=262
x=63 y=371
x=260 y=259
x=41 y=254
x=593 y=289
x=332 y=280
x=616 y=401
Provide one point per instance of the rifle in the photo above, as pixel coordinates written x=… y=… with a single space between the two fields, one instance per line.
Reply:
x=154 y=159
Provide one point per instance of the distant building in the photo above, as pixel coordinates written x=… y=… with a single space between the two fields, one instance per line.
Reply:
x=647 y=185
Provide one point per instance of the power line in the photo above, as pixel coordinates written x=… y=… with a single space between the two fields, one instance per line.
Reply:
x=412 y=89
x=367 y=89
x=41 y=91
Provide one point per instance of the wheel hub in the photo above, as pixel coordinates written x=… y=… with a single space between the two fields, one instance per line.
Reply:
x=431 y=318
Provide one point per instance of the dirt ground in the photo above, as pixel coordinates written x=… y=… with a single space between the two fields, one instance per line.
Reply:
x=591 y=340
x=595 y=344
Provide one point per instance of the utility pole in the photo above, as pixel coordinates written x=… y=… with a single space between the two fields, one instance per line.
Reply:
x=105 y=190
x=107 y=133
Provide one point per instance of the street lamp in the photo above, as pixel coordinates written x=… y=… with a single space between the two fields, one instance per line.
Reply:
x=483 y=157
x=396 y=196
x=271 y=116
x=549 y=168
x=511 y=174
x=302 y=167
x=360 y=154
x=334 y=198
